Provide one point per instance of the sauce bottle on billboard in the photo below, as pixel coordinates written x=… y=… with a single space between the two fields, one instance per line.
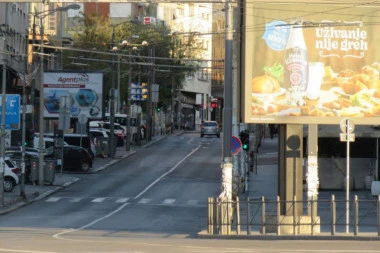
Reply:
x=296 y=65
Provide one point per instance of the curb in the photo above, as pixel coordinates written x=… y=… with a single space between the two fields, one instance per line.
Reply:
x=323 y=236
x=20 y=202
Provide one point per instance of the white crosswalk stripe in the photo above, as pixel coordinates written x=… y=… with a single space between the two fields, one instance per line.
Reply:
x=144 y=201
x=52 y=199
x=75 y=200
x=168 y=201
x=98 y=200
x=192 y=202
x=122 y=200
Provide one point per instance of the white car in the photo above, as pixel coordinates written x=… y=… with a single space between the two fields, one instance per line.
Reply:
x=11 y=175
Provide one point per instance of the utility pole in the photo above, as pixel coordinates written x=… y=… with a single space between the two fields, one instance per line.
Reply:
x=112 y=99
x=41 y=111
x=226 y=194
x=149 y=103
x=2 y=162
x=129 y=103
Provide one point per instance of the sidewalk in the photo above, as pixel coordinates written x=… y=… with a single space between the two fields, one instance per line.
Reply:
x=14 y=200
x=265 y=183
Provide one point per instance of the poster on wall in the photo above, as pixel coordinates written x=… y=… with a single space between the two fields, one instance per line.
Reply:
x=83 y=90
x=313 y=65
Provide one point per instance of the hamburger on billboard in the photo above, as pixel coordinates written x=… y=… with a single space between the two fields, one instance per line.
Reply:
x=313 y=65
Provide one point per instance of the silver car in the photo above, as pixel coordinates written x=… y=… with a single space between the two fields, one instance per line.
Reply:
x=210 y=128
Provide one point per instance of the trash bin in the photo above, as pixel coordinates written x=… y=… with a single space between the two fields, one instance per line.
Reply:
x=101 y=146
x=49 y=171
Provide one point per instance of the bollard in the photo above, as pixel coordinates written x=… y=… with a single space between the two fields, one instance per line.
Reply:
x=294 y=215
x=237 y=216
x=333 y=215
x=248 y=217
x=210 y=216
x=378 y=215
x=356 y=215
x=278 y=215
x=312 y=216
x=263 y=215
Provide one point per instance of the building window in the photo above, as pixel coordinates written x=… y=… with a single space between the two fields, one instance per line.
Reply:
x=203 y=75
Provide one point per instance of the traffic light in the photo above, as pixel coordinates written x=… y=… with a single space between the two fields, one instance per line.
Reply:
x=159 y=106
x=244 y=138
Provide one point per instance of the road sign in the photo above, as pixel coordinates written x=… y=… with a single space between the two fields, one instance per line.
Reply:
x=235 y=145
x=347 y=126
x=12 y=111
x=347 y=137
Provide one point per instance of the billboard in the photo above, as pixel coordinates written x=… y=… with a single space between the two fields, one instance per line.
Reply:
x=311 y=63
x=84 y=89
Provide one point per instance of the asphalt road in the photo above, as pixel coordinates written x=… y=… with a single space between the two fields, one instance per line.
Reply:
x=152 y=201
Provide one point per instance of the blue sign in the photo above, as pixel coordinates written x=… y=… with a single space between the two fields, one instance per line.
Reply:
x=138 y=92
x=276 y=35
x=235 y=145
x=12 y=112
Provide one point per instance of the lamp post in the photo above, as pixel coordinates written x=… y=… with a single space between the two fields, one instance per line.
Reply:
x=41 y=15
x=129 y=100
x=112 y=95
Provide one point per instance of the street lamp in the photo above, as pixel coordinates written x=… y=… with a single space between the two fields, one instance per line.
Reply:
x=112 y=95
x=129 y=105
x=41 y=15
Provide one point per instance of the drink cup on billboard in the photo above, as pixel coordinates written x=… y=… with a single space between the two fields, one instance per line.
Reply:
x=316 y=72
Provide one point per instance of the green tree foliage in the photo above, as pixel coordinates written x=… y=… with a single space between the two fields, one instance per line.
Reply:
x=168 y=52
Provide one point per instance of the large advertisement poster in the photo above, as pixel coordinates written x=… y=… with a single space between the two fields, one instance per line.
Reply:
x=311 y=63
x=83 y=91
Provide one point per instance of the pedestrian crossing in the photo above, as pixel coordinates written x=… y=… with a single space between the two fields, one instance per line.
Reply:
x=122 y=200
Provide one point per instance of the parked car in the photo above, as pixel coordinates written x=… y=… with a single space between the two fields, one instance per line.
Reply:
x=11 y=175
x=18 y=148
x=117 y=129
x=16 y=157
x=75 y=158
x=119 y=133
x=210 y=128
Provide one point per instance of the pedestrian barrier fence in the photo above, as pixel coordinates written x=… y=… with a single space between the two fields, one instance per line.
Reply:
x=307 y=217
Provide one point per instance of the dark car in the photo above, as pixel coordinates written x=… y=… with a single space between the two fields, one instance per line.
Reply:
x=210 y=128
x=75 y=158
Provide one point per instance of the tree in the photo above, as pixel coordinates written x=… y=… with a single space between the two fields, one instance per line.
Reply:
x=170 y=51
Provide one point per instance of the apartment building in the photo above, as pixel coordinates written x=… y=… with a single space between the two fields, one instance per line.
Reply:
x=13 y=42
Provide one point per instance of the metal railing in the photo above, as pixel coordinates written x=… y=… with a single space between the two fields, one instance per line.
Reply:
x=309 y=217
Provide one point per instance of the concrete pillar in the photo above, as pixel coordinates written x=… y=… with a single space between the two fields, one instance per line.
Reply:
x=312 y=177
x=290 y=168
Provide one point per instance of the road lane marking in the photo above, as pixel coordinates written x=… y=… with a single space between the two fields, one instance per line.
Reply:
x=67 y=231
x=166 y=173
x=75 y=200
